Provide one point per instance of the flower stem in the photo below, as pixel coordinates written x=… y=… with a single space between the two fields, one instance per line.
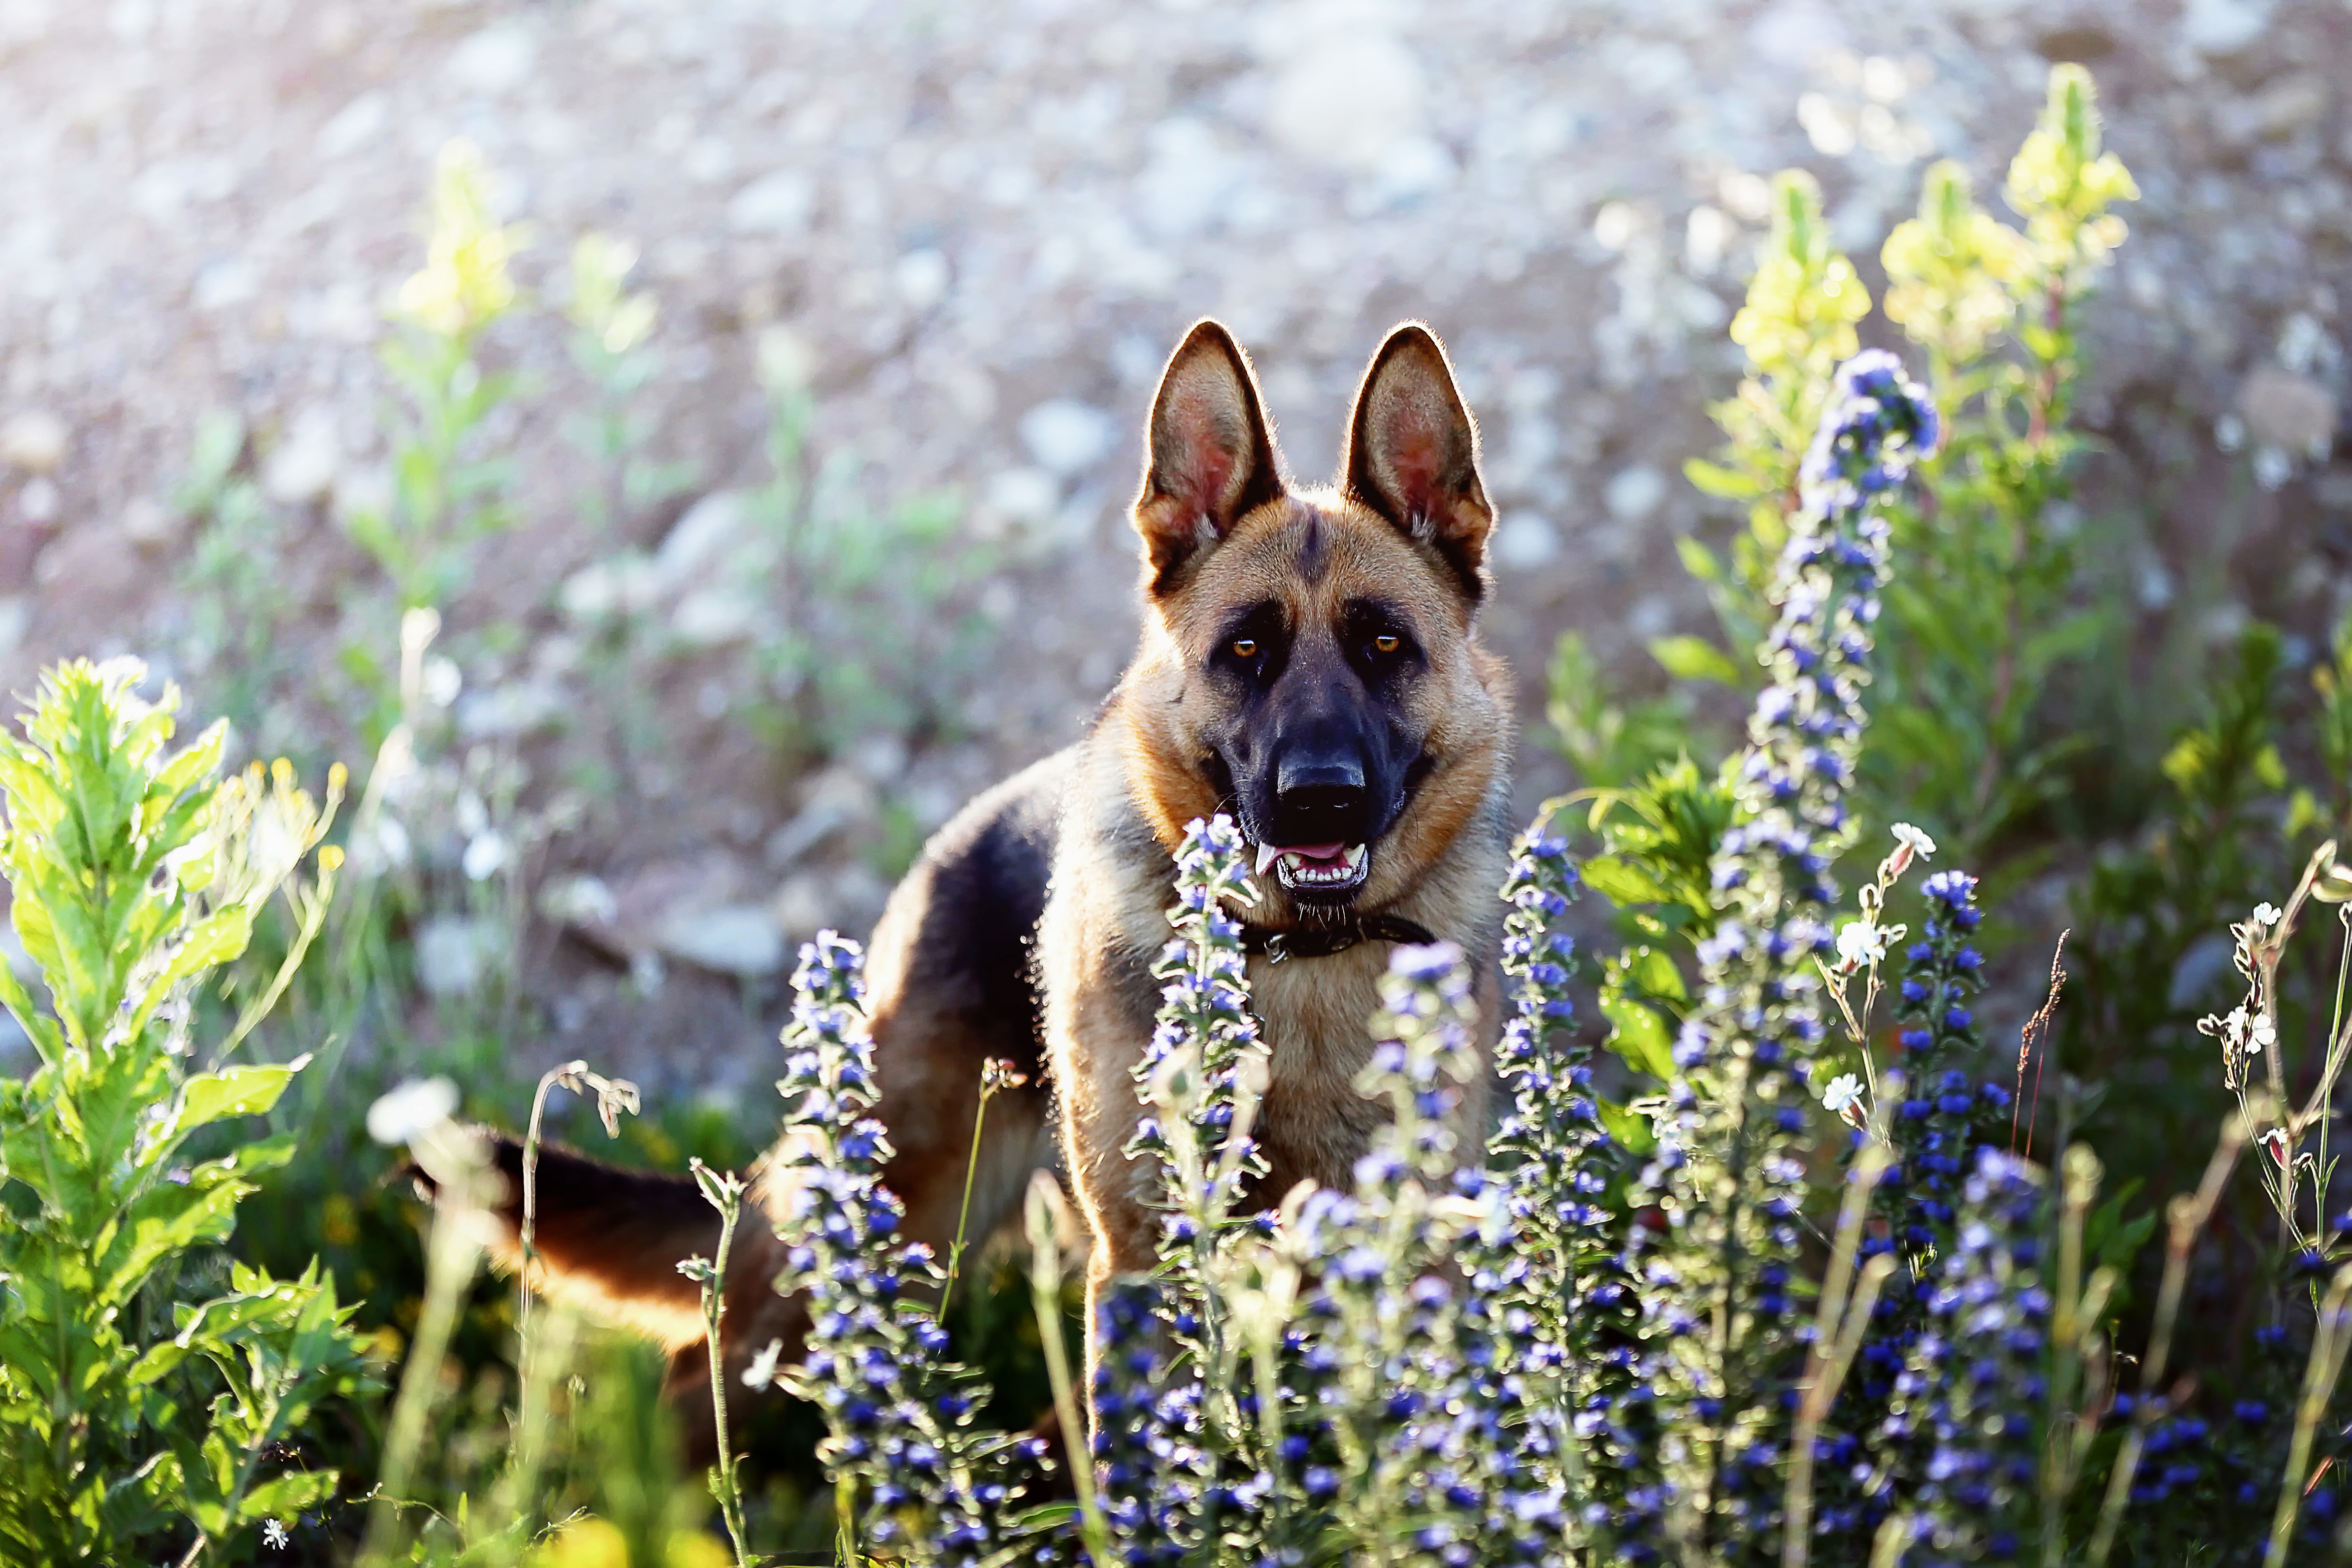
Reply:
x=726 y=1195
x=963 y=1213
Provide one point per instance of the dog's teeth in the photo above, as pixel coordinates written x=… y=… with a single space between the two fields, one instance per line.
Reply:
x=1266 y=855
x=1355 y=857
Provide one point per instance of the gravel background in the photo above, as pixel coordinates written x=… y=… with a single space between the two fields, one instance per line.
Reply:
x=980 y=225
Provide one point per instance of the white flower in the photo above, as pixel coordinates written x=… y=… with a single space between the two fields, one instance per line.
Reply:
x=1859 y=942
x=485 y=853
x=2266 y=914
x=439 y=681
x=2259 y=1033
x=1843 y=1094
x=273 y=1533
x=762 y=1370
x=415 y=1107
x=1909 y=842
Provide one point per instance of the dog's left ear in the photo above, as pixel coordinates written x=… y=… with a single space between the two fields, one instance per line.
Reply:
x=1413 y=453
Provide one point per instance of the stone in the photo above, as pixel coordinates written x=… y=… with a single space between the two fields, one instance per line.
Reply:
x=922 y=278
x=779 y=203
x=356 y=124
x=693 y=909
x=509 y=708
x=577 y=899
x=455 y=953
x=1632 y=494
x=33 y=441
x=494 y=61
x=1016 y=499
x=1346 y=98
x=739 y=939
x=714 y=616
x=304 y=465
x=150 y=525
x=803 y=905
x=2222 y=27
x=2293 y=413
x=2283 y=108
x=1524 y=542
x=40 y=501
x=705 y=535
x=1066 y=436
x=625 y=585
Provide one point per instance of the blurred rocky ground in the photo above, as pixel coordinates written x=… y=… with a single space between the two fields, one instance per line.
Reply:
x=975 y=229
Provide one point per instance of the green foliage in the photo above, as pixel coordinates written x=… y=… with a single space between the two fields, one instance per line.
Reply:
x=1657 y=842
x=132 y=1415
x=1797 y=327
x=1609 y=743
x=1992 y=608
x=861 y=636
x=1992 y=611
x=610 y=326
x=2150 y=956
x=448 y=491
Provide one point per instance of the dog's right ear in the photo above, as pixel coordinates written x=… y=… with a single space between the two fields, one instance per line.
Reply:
x=1209 y=455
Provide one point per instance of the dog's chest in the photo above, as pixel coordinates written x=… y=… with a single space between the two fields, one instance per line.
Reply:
x=1316 y=1014
x=1316 y=1018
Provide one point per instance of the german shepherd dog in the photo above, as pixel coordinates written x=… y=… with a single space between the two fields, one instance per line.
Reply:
x=1309 y=665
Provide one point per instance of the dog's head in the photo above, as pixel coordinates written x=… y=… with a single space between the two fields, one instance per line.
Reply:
x=1308 y=663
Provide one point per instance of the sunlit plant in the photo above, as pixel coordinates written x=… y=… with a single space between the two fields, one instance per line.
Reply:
x=146 y=1405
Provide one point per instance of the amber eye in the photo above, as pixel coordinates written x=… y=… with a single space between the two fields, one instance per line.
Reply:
x=1385 y=642
x=1245 y=647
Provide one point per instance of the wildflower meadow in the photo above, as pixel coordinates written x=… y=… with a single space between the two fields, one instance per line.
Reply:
x=1818 y=1221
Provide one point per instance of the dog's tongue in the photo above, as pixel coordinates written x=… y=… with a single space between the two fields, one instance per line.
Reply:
x=1268 y=853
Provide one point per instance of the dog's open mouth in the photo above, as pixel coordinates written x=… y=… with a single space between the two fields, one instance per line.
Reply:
x=1317 y=869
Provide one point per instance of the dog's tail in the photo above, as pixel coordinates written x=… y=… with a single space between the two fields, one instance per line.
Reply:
x=608 y=1240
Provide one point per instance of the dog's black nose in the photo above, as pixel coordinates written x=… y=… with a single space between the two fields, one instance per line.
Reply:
x=1321 y=802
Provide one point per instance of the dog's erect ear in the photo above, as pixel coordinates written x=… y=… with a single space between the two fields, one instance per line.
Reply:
x=1209 y=457
x=1412 y=453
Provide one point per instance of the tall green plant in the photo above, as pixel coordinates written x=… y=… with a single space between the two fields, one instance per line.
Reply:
x=1797 y=327
x=1992 y=608
x=132 y=1420
x=448 y=491
x=1992 y=611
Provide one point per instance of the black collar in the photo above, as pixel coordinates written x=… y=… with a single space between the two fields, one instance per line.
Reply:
x=1322 y=941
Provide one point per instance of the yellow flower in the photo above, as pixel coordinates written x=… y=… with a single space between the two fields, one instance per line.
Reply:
x=465 y=284
x=1950 y=270
x=2062 y=185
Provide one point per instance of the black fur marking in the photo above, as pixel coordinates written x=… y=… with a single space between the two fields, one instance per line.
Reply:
x=1311 y=562
x=989 y=870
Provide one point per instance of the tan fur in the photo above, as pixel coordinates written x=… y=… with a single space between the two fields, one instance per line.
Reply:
x=950 y=976
x=1141 y=779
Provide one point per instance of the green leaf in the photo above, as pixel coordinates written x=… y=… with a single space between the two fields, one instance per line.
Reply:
x=234 y=1091
x=1656 y=973
x=1695 y=659
x=1725 y=484
x=284 y=1496
x=1697 y=560
x=1622 y=882
x=1630 y=1127
x=1639 y=1035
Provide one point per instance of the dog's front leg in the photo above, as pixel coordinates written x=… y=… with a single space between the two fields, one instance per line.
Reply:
x=1093 y=1071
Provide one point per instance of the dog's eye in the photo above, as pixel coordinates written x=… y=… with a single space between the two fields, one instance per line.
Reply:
x=1245 y=647
x=1385 y=642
